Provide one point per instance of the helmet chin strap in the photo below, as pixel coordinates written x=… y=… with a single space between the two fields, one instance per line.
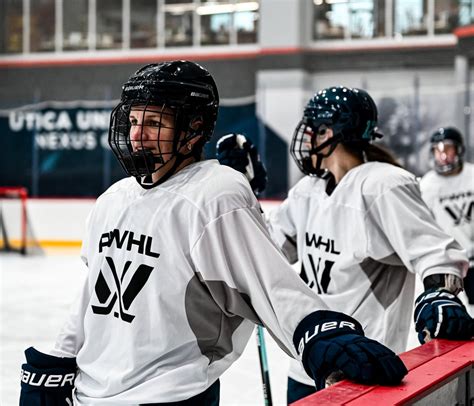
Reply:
x=147 y=181
x=332 y=143
x=318 y=171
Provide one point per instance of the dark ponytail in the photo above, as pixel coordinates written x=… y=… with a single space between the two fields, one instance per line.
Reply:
x=379 y=153
x=367 y=152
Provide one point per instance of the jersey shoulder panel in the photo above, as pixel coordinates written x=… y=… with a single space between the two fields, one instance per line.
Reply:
x=429 y=178
x=125 y=185
x=468 y=168
x=215 y=179
x=433 y=184
x=377 y=178
x=212 y=188
x=117 y=192
x=308 y=186
x=366 y=183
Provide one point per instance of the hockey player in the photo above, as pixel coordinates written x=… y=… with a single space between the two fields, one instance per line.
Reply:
x=448 y=190
x=180 y=267
x=359 y=227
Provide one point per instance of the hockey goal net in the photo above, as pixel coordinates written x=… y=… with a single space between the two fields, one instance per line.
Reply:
x=15 y=231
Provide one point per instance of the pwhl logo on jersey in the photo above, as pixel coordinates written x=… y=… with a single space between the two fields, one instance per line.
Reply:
x=460 y=214
x=125 y=296
x=323 y=267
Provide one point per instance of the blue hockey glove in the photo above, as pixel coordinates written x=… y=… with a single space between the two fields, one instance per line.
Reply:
x=239 y=153
x=440 y=314
x=230 y=154
x=47 y=380
x=469 y=282
x=331 y=341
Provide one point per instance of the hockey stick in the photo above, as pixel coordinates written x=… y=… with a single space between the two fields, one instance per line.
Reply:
x=262 y=355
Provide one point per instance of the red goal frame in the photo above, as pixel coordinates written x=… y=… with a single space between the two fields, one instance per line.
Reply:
x=21 y=193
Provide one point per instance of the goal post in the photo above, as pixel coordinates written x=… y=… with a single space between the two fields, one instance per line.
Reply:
x=15 y=235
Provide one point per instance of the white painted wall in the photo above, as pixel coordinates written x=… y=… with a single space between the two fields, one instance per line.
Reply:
x=283 y=23
x=282 y=96
x=61 y=220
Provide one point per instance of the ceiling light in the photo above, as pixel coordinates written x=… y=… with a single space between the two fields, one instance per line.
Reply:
x=226 y=8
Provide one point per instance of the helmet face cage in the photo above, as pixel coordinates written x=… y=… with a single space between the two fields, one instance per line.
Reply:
x=162 y=107
x=303 y=148
x=350 y=113
x=442 y=140
x=144 y=137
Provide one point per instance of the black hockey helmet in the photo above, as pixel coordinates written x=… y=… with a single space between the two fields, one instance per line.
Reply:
x=351 y=114
x=444 y=136
x=183 y=90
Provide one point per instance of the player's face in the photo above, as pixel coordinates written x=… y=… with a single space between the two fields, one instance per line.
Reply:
x=322 y=134
x=152 y=128
x=444 y=153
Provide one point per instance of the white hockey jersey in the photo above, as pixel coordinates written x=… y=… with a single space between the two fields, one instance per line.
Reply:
x=361 y=246
x=175 y=274
x=451 y=200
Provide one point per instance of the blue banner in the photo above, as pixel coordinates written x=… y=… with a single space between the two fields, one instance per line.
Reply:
x=60 y=148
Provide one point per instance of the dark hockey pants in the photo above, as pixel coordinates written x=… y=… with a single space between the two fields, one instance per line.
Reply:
x=210 y=397
x=297 y=390
x=469 y=284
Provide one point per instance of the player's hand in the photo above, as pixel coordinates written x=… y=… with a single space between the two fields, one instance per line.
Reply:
x=440 y=314
x=358 y=358
x=230 y=154
x=337 y=343
x=236 y=151
x=47 y=380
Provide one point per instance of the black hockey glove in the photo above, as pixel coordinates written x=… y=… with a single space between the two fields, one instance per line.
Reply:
x=239 y=153
x=331 y=341
x=469 y=282
x=47 y=380
x=440 y=314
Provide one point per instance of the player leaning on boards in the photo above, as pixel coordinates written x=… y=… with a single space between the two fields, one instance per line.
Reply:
x=180 y=267
x=359 y=227
x=448 y=191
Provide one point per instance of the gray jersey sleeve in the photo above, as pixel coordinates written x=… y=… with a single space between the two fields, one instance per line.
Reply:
x=248 y=276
